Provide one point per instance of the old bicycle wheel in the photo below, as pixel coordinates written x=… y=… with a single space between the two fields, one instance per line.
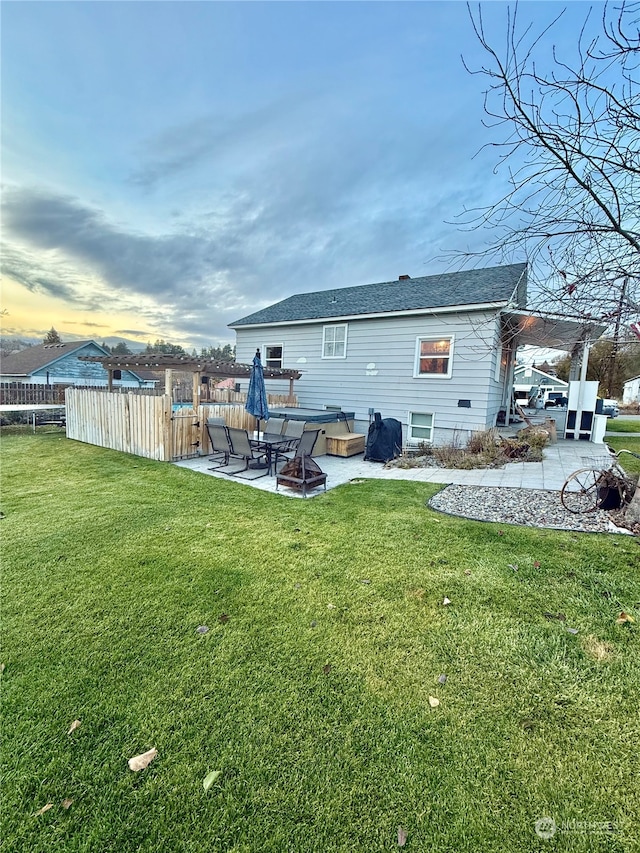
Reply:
x=580 y=491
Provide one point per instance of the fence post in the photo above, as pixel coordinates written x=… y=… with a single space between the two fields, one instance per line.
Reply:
x=167 y=436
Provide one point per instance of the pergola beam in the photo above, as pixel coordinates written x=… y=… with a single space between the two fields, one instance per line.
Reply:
x=188 y=364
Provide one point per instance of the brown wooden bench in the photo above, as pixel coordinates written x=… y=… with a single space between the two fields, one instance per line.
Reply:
x=345 y=444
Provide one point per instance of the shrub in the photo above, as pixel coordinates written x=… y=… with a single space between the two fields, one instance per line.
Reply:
x=486 y=449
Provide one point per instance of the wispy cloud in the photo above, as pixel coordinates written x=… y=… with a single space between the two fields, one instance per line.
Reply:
x=329 y=200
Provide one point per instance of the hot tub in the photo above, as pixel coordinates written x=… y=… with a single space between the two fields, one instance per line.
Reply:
x=327 y=422
x=312 y=416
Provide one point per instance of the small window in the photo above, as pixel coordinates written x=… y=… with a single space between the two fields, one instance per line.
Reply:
x=273 y=356
x=117 y=374
x=334 y=341
x=434 y=357
x=420 y=428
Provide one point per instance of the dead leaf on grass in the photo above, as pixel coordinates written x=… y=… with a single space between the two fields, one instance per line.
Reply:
x=2 y=667
x=624 y=619
x=74 y=725
x=326 y=668
x=442 y=679
x=202 y=629
x=433 y=702
x=402 y=836
x=572 y=630
x=467 y=571
x=43 y=809
x=365 y=580
x=513 y=566
x=560 y=616
x=446 y=601
x=223 y=618
x=140 y=762
x=210 y=778
x=536 y=564
x=66 y=803
x=331 y=606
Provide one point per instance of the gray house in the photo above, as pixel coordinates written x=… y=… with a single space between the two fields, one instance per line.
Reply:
x=529 y=379
x=437 y=352
x=59 y=364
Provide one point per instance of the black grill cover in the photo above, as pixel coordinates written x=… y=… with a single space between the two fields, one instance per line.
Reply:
x=384 y=441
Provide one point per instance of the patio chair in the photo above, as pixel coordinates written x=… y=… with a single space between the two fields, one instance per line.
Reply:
x=220 y=447
x=293 y=429
x=241 y=449
x=274 y=427
x=291 y=433
x=302 y=446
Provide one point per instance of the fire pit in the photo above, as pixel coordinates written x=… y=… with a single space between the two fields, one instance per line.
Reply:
x=301 y=473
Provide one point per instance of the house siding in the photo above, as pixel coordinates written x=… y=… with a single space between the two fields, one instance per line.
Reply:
x=631 y=392
x=378 y=371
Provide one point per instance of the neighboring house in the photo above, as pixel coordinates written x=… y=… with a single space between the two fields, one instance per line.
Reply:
x=529 y=378
x=631 y=391
x=437 y=352
x=59 y=364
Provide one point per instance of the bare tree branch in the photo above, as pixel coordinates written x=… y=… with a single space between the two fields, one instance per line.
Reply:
x=569 y=137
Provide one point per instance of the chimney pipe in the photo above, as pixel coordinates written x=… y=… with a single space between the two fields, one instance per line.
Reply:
x=403 y=277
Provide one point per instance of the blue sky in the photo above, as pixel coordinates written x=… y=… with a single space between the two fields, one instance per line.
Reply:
x=169 y=167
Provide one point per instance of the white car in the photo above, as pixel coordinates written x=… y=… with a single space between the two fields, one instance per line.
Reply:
x=610 y=408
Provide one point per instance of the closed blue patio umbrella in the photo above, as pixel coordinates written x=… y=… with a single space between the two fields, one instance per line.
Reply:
x=256 y=403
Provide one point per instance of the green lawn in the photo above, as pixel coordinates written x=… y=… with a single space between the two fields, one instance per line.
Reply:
x=622 y=425
x=310 y=691
x=619 y=442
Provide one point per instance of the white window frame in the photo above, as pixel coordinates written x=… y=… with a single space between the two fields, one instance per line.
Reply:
x=334 y=326
x=264 y=350
x=411 y=438
x=416 y=363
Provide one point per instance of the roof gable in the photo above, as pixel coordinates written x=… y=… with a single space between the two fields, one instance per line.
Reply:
x=523 y=371
x=38 y=358
x=503 y=284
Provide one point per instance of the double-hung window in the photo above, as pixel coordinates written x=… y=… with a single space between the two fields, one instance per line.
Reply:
x=273 y=356
x=334 y=341
x=434 y=357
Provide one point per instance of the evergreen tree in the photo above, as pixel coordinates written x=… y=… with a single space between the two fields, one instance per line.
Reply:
x=164 y=348
x=52 y=337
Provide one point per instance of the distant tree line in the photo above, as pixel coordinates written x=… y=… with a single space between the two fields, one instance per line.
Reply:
x=611 y=363
x=223 y=353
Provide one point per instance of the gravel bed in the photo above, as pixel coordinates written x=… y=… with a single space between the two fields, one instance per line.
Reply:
x=527 y=507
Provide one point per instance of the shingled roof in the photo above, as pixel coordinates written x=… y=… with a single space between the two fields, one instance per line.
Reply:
x=35 y=358
x=503 y=284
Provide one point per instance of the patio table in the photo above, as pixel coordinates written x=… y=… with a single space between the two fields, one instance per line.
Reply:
x=270 y=443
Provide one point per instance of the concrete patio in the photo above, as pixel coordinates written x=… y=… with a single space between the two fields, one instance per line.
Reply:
x=559 y=461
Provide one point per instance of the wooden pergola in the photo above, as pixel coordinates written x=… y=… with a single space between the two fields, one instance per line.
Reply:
x=199 y=367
